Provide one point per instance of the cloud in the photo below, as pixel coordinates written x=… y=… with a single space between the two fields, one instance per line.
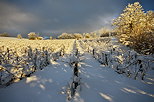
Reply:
x=12 y=19
x=46 y=16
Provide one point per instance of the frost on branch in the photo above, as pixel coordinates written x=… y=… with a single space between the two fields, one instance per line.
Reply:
x=136 y=28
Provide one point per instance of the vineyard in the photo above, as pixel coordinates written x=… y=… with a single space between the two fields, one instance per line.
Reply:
x=21 y=58
x=123 y=60
x=84 y=70
x=76 y=51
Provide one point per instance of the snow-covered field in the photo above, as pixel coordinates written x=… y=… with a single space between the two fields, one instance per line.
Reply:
x=20 y=44
x=101 y=84
x=98 y=82
x=42 y=86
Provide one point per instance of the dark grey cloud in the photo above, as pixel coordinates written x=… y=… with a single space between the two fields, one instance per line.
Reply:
x=23 y=16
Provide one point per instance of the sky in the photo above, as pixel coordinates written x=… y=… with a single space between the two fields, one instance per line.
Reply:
x=56 y=16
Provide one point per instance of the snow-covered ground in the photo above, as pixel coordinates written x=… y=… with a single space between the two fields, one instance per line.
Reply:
x=101 y=84
x=42 y=86
x=98 y=83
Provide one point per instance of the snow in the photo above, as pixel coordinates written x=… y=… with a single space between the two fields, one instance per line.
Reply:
x=102 y=84
x=42 y=86
x=98 y=83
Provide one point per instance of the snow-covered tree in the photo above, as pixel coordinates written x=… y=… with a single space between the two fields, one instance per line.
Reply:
x=32 y=36
x=132 y=15
x=19 y=36
x=136 y=27
x=87 y=35
x=103 y=32
x=78 y=36
x=66 y=36
x=4 y=34
x=51 y=38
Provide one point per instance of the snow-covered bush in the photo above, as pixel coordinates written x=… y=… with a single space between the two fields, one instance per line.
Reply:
x=70 y=36
x=39 y=38
x=78 y=36
x=19 y=36
x=32 y=36
x=4 y=34
x=51 y=38
x=66 y=36
x=87 y=35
